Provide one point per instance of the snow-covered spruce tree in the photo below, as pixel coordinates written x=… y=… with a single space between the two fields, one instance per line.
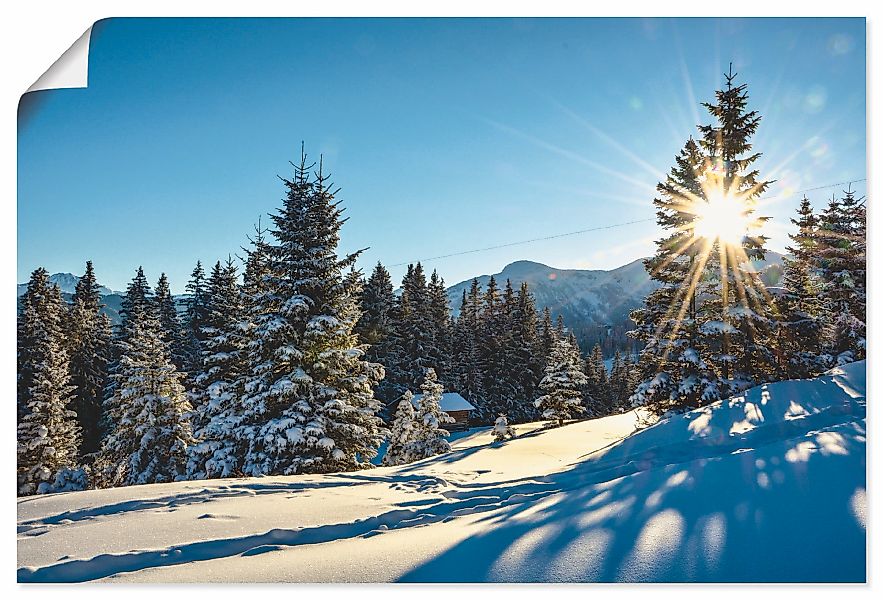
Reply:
x=527 y=368
x=220 y=381
x=149 y=431
x=403 y=431
x=88 y=335
x=439 y=316
x=415 y=329
x=465 y=351
x=497 y=391
x=170 y=325
x=841 y=261
x=562 y=385
x=430 y=435
x=48 y=433
x=227 y=426
x=137 y=302
x=195 y=316
x=502 y=430
x=547 y=336
x=308 y=402
x=675 y=373
x=377 y=328
x=742 y=301
x=596 y=396
x=800 y=326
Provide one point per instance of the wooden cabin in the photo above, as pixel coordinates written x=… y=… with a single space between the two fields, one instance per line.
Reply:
x=457 y=407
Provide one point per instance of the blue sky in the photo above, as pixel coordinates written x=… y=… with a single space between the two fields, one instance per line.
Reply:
x=444 y=135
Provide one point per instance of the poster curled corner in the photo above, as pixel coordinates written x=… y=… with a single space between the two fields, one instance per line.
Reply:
x=71 y=70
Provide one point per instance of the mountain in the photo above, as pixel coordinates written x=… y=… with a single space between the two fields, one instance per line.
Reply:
x=112 y=300
x=67 y=283
x=595 y=304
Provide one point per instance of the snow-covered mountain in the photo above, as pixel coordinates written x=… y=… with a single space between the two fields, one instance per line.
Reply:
x=589 y=300
x=67 y=283
x=768 y=486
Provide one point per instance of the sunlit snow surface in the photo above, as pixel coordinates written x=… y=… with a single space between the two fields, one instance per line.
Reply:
x=768 y=486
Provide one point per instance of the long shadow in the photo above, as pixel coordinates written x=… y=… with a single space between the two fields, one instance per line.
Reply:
x=732 y=510
x=713 y=509
x=209 y=494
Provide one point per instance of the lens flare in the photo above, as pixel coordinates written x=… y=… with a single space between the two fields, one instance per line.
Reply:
x=722 y=218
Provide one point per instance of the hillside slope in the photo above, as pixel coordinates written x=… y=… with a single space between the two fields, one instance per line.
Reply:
x=595 y=304
x=768 y=486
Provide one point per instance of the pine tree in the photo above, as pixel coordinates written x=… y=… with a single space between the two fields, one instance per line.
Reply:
x=841 y=263
x=88 y=340
x=48 y=433
x=415 y=329
x=377 y=302
x=497 y=393
x=465 y=356
x=547 y=336
x=403 y=431
x=706 y=330
x=170 y=326
x=562 y=385
x=195 y=317
x=308 y=403
x=527 y=362
x=225 y=426
x=430 y=436
x=219 y=383
x=676 y=374
x=149 y=430
x=597 y=395
x=746 y=335
x=799 y=329
x=137 y=302
x=502 y=431
x=439 y=316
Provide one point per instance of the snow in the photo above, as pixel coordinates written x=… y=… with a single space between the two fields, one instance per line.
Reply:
x=449 y=401
x=767 y=486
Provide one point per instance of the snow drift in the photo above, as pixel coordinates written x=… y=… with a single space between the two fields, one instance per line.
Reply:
x=768 y=486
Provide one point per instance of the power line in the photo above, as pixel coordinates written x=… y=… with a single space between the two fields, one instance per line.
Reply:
x=603 y=227
x=539 y=239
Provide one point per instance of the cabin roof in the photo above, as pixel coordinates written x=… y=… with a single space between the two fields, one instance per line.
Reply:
x=449 y=401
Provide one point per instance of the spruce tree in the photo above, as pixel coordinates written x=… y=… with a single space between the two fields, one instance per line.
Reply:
x=562 y=385
x=219 y=382
x=430 y=435
x=48 y=433
x=707 y=330
x=439 y=316
x=527 y=362
x=597 y=396
x=149 y=431
x=746 y=355
x=223 y=425
x=466 y=336
x=308 y=401
x=502 y=431
x=170 y=325
x=195 y=317
x=799 y=329
x=136 y=303
x=402 y=433
x=88 y=339
x=841 y=261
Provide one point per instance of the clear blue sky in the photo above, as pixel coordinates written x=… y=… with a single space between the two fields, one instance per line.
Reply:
x=444 y=135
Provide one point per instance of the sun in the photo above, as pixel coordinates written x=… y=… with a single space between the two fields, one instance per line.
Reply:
x=724 y=218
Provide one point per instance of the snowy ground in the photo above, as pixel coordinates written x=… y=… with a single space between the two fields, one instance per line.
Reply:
x=765 y=487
